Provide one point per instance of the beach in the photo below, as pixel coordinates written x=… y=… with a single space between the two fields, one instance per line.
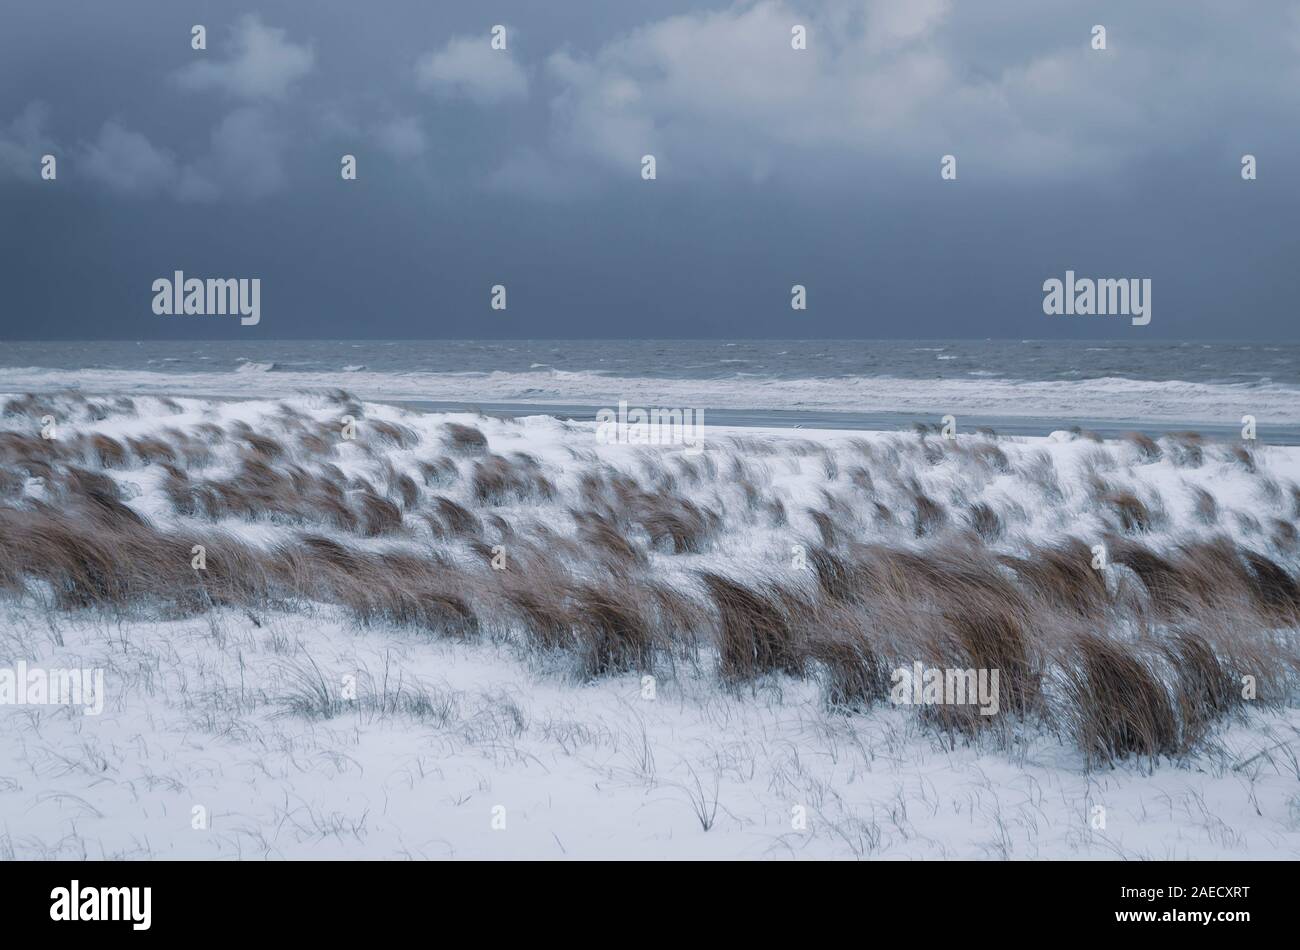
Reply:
x=336 y=627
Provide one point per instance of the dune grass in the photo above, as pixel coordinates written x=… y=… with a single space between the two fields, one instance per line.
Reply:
x=969 y=554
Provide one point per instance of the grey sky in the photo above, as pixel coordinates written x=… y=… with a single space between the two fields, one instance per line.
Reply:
x=775 y=166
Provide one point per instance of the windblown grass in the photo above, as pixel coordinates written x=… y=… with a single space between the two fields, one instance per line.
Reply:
x=965 y=554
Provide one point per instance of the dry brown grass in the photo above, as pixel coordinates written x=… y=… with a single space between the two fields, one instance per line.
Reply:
x=1142 y=659
x=1133 y=515
x=1185 y=449
x=464 y=440
x=381 y=433
x=1204 y=689
x=1117 y=704
x=985 y=522
x=378 y=515
x=108 y=453
x=150 y=450
x=440 y=472
x=456 y=519
x=1204 y=506
x=754 y=633
x=928 y=516
x=1062 y=576
x=498 y=480
x=1147 y=449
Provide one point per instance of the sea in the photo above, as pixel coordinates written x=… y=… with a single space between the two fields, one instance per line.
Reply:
x=1025 y=387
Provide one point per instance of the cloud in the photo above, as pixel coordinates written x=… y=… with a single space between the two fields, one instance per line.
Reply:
x=1012 y=88
x=246 y=159
x=891 y=24
x=125 y=162
x=193 y=186
x=129 y=164
x=24 y=141
x=403 y=138
x=468 y=66
x=722 y=92
x=248 y=152
x=725 y=89
x=264 y=64
x=534 y=174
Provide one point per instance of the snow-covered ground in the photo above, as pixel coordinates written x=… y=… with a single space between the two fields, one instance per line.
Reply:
x=299 y=732
x=200 y=714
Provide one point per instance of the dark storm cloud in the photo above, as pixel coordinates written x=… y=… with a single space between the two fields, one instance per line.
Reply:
x=775 y=167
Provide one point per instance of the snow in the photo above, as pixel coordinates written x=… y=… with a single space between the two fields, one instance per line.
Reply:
x=592 y=771
x=200 y=713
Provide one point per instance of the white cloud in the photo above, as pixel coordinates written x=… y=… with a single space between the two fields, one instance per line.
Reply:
x=246 y=159
x=534 y=174
x=1011 y=88
x=24 y=141
x=722 y=91
x=129 y=164
x=264 y=64
x=468 y=66
x=894 y=23
x=193 y=186
x=248 y=152
x=403 y=138
x=725 y=90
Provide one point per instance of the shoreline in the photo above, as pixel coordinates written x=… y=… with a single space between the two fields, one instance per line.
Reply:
x=844 y=421
x=826 y=420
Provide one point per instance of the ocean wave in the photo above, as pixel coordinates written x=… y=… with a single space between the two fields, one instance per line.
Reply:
x=1109 y=398
x=248 y=366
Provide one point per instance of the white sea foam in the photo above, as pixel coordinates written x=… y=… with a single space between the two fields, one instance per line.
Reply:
x=1108 y=398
